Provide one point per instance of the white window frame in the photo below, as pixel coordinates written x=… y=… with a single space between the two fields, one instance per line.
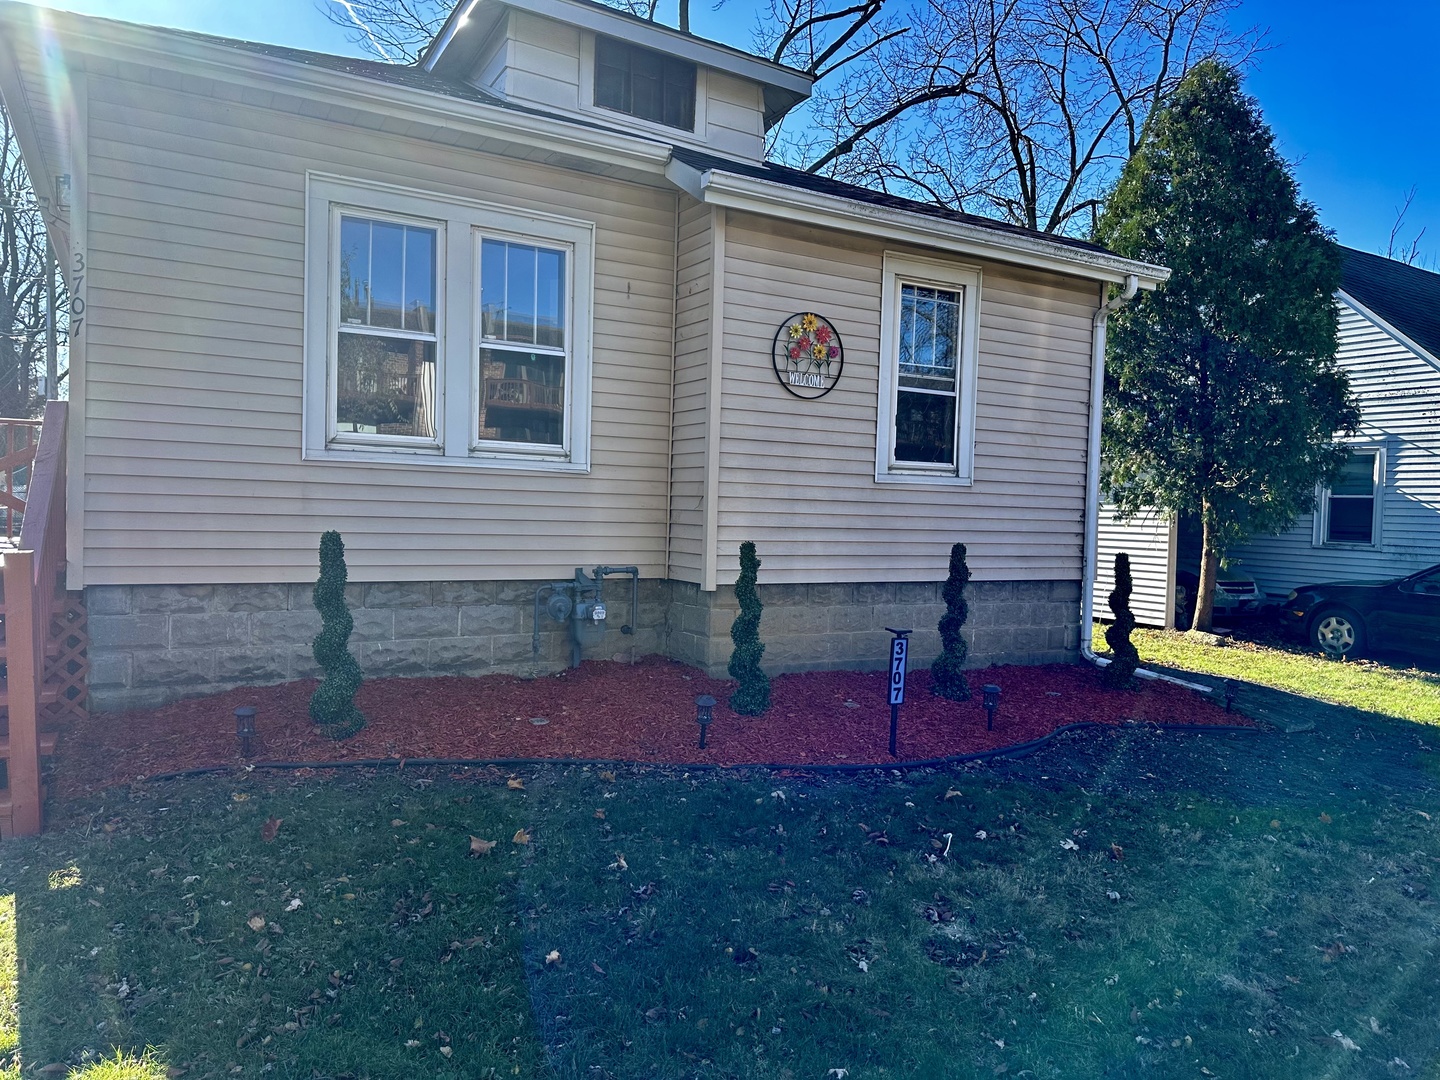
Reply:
x=1321 y=528
x=460 y=224
x=903 y=269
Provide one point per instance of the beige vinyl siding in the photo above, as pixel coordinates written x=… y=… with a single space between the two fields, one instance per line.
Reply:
x=1399 y=396
x=543 y=62
x=1149 y=540
x=799 y=475
x=692 y=367
x=734 y=116
x=193 y=434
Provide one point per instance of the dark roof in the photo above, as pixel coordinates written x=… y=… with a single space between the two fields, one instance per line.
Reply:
x=1406 y=297
x=824 y=185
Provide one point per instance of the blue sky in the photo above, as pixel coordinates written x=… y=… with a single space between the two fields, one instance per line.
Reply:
x=1350 y=93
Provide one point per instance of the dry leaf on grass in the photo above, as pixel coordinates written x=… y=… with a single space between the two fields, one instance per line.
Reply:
x=599 y=815
x=515 y=784
x=1345 y=1041
x=1069 y=845
x=1325 y=819
x=553 y=956
x=271 y=827
x=481 y=847
x=395 y=823
x=953 y=794
x=521 y=837
x=607 y=776
x=256 y=923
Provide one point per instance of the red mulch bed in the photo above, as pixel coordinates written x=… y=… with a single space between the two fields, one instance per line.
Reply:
x=616 y=711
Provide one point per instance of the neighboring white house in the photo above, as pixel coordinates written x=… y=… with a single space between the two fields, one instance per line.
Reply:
x=1382 y=519
x=536 y=303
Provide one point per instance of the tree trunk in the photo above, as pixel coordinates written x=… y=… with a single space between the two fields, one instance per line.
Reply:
x=1209 y=564
x=684 y=16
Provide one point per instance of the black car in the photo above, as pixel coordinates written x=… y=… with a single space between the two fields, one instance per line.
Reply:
x=1346 y=618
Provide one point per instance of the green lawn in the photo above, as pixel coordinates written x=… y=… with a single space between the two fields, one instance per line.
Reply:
x=716 y=926
x=1402 y=693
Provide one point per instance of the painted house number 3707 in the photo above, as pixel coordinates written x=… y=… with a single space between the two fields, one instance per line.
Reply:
x=77 y=297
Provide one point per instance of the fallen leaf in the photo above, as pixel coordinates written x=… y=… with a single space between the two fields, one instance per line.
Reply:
x=521 y=837
x=256 y=923
x=1274 y=823
x=1345 y=1041
x=1423 y=814
x=239 y=796
x=619 y=863
x=953 y=794
x=1325 y=819
x=295 y=904
x=597 y=968
x=981 y=834
x=446 y=1050
x=481 y=847
x=607 y=776
x=1117 y=853
x=553 y=956
x=271 y=827
x=599 y=815
x=515 y=784
x=395 y=823
x=1069 y=845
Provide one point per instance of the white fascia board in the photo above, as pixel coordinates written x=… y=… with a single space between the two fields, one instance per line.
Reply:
x=120 y=41
x=1402 y=339
x=655 y=36
x=770 y=199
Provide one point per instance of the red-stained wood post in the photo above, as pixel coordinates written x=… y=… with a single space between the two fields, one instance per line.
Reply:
x=22 y=661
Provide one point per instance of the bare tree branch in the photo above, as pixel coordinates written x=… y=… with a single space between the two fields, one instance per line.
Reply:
x=1409 y=253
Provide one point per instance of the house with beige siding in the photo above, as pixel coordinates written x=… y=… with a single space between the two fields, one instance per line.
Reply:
x=534 y=304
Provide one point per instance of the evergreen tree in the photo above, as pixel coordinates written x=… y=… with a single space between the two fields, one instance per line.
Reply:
x=752 y=695
x=948 y=670
x=1124 y=658
x=1222 y=396
x=333 y=704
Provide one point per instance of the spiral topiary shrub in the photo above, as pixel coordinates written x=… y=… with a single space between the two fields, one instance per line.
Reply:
x=752 y=696
x=948 y=670
x=1124 y=658
x=332 y=706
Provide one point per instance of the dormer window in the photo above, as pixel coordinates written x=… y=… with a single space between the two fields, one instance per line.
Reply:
x=644 y=83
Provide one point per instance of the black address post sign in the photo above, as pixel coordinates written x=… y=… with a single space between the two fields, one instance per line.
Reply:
x=899 y=651
x=808 y=355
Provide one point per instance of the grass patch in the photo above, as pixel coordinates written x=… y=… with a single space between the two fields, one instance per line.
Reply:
x=673 y=926
x=1405 y=694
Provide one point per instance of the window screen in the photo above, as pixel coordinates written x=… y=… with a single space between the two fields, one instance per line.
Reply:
x=644 y=83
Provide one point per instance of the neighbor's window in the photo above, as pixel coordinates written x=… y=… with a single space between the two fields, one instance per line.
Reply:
x=523 y=356
x=1348 y=507
x=928 y=370
x=444 y=330
x=644 y=83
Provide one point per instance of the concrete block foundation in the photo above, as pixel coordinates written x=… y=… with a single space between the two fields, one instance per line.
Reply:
x=154 y=644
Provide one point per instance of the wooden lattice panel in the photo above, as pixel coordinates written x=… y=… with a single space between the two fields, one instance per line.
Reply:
x=67 y=662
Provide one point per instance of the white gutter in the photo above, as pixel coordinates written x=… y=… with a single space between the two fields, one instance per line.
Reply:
x=769 y=198
x=1092 y=490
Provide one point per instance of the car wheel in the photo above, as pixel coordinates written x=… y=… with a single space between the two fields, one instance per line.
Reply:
x=1338 y=632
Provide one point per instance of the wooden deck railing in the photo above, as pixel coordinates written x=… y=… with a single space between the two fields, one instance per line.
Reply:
x=17 y=455
x=31 y=584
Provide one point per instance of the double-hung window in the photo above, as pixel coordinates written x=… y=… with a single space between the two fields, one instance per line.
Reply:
x=443 y=330
x=928 y=317
x=1349 y=509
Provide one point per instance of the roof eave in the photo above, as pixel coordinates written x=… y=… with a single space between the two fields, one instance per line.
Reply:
x=733 y=191
x=1390 y=329
x=596 y=17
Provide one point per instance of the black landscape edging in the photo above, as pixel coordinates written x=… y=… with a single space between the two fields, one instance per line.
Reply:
x=1015 y=750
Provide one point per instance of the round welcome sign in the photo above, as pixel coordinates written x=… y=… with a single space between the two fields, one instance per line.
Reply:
x=808 y=356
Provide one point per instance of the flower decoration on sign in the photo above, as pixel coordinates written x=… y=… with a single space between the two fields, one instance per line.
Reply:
x=808 y=355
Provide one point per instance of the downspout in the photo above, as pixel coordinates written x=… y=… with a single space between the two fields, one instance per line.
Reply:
x=1092 y=486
